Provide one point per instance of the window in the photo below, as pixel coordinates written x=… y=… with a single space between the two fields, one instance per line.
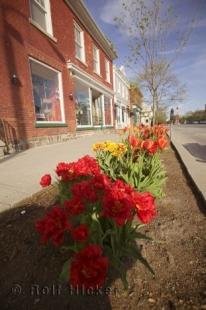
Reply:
x=107 y=69
x=79 y=43
x=123 y=114
x=41 y=14
x=97 y=114
x=108 y=111
x=92 y=107
x=83 y=106
x=47 y=93
x=118 y=115
x=96 y=62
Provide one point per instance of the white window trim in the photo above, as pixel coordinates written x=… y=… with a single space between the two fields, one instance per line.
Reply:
x=47 y=10
x=107 y=70
x=41 y=7
x=49 y=20
x=42 y=30
x=103 y=118
x=76 y=26
x=112 y=115
x=90 y=101
x=61 y=96
x=97 y=60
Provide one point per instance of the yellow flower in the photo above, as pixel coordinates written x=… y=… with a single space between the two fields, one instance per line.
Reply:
x=99 y=146
x=116 y=149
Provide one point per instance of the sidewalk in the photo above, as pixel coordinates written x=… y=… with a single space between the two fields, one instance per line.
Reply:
x=20 y=174
x=193 y=157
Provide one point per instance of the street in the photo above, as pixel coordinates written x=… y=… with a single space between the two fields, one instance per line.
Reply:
x=194 y=132
x=190 y=142
x=193 y=138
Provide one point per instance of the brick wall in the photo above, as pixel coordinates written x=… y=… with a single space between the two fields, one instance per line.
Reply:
x=19 y=40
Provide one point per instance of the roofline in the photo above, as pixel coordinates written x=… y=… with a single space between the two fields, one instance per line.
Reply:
x=81 y=11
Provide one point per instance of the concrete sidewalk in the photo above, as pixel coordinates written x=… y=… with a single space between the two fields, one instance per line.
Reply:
x=192 y=154
x=20 y=174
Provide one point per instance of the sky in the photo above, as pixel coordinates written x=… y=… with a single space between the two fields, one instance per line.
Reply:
x=190 y=67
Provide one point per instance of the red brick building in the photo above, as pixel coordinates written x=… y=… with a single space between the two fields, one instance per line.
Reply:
x=55 y=71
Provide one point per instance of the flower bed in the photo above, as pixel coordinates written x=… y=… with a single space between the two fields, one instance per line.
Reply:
x=100 y=204
x=136 y=161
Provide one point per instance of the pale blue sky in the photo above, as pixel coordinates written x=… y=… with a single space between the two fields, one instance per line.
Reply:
x=190 y=68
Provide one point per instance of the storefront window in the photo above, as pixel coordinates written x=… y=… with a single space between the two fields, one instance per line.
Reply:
x=83 y=108
x=97 y=115
x=118 y=114
x=46 y=93
x=108 y=111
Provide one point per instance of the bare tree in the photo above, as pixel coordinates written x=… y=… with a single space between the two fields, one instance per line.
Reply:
x=151 y=27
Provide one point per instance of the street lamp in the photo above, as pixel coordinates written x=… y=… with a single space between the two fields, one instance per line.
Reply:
x=171 y=115
x=171 y=121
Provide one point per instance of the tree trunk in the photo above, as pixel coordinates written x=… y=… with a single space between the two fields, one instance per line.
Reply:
x=153 y=109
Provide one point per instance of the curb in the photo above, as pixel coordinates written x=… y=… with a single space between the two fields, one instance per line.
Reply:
x=192 y=183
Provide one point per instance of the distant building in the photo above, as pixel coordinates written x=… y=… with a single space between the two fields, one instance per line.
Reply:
x=146 y=114
x=136 y=99
x=121 y=97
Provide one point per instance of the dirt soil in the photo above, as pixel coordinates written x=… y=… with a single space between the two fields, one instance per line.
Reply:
x=29 y=272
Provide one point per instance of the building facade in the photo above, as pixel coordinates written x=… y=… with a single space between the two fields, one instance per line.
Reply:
x=146 y=114
x=121 y=98
x=56 y=71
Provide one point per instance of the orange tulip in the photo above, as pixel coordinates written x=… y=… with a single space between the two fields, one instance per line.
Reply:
x=150 y=146
x=162 y=142
x=133 y=141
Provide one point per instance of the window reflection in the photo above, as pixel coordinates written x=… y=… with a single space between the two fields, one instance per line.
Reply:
x=92 y=107
x=108 y=110
x=97 y=113
x=45 y=84
x=83 y=110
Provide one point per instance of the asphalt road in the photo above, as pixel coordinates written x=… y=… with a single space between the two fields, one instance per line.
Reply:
x=194 y=133
x=193 y=139
x=190 y=142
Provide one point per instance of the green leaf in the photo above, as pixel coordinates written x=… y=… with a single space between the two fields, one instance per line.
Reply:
x=123 y=277
x=64 y=275
x=141 y=236
x=108 y=232
x=136 y=253
x=118 y=265
x=69 y=248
